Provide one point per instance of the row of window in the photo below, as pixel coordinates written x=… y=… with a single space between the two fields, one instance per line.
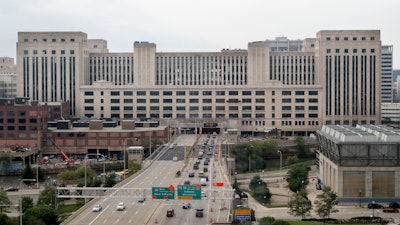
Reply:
x=346 y=50
x=20 y=120
x=297 y=123
x=53 y=52
x=196 y=93
x=372 y=38
x=12 y=128
x=20 y=135
x=205 y=108
x=53 y=40
x=206 y=100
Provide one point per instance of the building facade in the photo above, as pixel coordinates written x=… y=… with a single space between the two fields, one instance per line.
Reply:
x=360 y=163
x=8 y=78
x=333 y=78
x=387 y=74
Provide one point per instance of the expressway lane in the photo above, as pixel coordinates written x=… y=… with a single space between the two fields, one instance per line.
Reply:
x=161 y=173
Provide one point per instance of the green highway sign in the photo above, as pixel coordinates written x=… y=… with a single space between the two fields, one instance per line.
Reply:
x=189 y=192
x=163 y=192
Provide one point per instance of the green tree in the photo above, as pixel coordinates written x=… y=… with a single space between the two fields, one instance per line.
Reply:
x=47 y=196
x=301 y=146
x=27 y=203
x=4 y=200
x=6 y=160
x=292 y=160
x=110 y=181
x=256 y=182
x=297 y=177
x=300 y=205
x=3 y=218
x=90 y=175
x=326 y=202
x=260 y=190
x=66 y=175
x=28 y=174
x=32 y=220
x=133 y=168
x=43 y=212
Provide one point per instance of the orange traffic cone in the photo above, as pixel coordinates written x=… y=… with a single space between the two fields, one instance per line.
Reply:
x=155 y=220
x=211 y=209
x=211 y=220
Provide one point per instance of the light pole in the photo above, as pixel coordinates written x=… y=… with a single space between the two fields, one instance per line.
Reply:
x=280 y=162
x=85 y=168
x=150 y=145
x=37 y=171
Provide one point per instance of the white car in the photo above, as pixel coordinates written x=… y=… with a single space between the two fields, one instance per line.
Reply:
x=97 y=208
x=121 y=206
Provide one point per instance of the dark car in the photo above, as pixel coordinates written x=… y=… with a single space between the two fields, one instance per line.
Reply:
x=191 y=174
x=375 y=206
x=199 y=212
x=12 y=189
x=394 y=205
x=170 y=212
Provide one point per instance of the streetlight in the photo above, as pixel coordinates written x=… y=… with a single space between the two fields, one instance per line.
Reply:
x=280 y=162
x=85 y=168
x=37 y=171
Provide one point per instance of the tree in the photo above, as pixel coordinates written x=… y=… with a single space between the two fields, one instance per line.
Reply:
x=27 y=203
x=6 y=160
x=301 y=146
x=4 y=201
x=47 y=197
x=110 y=181
x=300 y=205
x=297 y=177
x=133 y=168
x=260 y=190
x=28 y=174
x=326 y=202
x=43 y=212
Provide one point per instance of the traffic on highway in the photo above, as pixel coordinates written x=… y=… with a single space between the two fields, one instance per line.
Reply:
x=164 y=195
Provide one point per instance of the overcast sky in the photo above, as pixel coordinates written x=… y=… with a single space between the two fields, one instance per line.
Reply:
x=201 y=26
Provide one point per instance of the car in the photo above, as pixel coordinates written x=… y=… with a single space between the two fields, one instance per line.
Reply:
x=120 y=206
x=12 y=189
x=187 y=182
x=97 y=208
x=186 y=205
x=390 y=210
x=394 y=205
x=191 y=174
x=374 y=206
x=142 y=199
x=170 y=212
x=199 y=212
x=203 y=194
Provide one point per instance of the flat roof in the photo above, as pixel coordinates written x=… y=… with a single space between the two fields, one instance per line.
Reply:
x=360 y=133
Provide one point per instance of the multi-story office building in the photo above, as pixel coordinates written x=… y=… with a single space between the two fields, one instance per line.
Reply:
x=387 y=74
x=8 y=82
x=333 y=78
x=396 y=85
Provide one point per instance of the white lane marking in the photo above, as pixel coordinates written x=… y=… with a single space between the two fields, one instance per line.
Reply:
x=101 y=212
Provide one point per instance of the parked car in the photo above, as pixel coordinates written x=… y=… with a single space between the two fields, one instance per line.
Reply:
x=375 y=206
x=12 y=189
x=186 y=205
x=394 y=205
x=390 y=210
x=170 y=212
x=97 y=208
x=120 y=206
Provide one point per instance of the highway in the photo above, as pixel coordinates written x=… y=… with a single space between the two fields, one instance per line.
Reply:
x=161 y=173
